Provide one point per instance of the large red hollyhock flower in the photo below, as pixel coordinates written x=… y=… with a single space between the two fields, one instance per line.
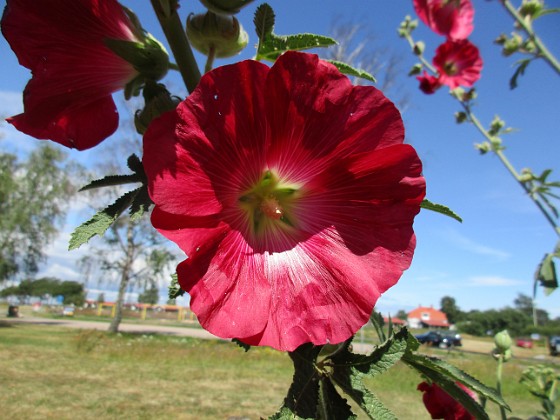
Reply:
x=293 y=196
x=458 y=63
x=68 y=99
x=441 y=405
x=451 y=18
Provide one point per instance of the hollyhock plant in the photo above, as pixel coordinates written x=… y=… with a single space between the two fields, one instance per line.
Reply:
x=63 y=43
x=451 y=18
x=458 y=63
x=441 y=405
x=293 y=196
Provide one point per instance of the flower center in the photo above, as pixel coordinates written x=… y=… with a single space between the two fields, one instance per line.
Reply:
x=450 y=68
x=269 y=204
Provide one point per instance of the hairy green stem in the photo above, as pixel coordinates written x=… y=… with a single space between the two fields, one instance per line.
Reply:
x=543 y=51
x=177 y=38
x=210 y=59
x=499 y=383
x=501 y=155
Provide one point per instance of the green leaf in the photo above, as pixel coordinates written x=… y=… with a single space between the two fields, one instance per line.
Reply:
x=264 y=20
x=174 y=290
x=101 y=221
x=141 y=203
x=331 y=405
x=546 y=274
x=445 y=375
x=439 y=208
x=377 y=321
x=352 y=384
x=241 y=344
x=349 y=370
x=352 y=71
x=272 y=46
x=112 y=180
x=303 y=395
x=519 y=71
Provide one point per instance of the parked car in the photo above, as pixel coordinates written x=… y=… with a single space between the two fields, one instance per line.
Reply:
x=554 y=345
x=439 y=339
x=526 y=343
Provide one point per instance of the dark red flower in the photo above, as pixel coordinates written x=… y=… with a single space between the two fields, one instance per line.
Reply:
x=428 y=83
x=293 y=196
x=458 y=63
x=68 y=99
x=441 y=405
x=451 y=18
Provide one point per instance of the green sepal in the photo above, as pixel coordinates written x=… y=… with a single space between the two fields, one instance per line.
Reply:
x=303 y=396
x=446 y=376
x=174 y=290
x=352 y=71
x=241 y=344
x=101 y=221
x=331 y=404
x=439 y=208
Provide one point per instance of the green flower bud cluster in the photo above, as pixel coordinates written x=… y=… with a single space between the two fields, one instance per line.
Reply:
x=407 y=26
x=216 y=34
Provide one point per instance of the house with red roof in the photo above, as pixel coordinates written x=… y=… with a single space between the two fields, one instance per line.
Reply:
x=424 y=317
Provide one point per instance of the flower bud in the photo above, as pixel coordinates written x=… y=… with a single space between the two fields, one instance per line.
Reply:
x=496 y=126
x=531 y=8
x=419 y=48
x=225 y=7
x=211 y=32
x=157 y=101
x=415 y=70
x=503 y=341
x=460 y=117
x=483 y=148
x=512 y=45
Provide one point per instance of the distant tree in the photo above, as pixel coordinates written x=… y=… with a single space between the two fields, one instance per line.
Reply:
x=72 y=291
x=150 y=295
x=525 y=304
x=101 y=298
x=131 y=251
x=492 y=321
x=402 y=314
x=34 y=194
x=450 y=309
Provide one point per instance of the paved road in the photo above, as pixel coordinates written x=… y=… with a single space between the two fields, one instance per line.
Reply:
x=142 y=328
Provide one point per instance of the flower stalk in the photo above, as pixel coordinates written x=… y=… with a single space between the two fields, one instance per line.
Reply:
x=542 y=50
x=177 y=39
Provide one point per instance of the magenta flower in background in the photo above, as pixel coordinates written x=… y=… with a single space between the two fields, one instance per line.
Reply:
x=293 y=196
x=428 y=83
x=458 y=63
x=451 y=18
x=441 y=405
x=68 y=99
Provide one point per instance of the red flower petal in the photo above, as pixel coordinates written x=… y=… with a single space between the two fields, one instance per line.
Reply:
x=441 y=405
x=68 y=100
x=453 y=19
x=341 y=237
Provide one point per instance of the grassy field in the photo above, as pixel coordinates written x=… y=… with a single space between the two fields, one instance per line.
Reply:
x=58 y=373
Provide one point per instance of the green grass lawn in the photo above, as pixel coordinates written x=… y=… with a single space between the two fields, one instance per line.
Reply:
x=58 y=373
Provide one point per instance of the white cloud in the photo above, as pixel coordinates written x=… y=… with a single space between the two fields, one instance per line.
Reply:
x=488 y=281
x=469 y=245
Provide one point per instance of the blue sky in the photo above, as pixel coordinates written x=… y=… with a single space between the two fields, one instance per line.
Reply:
x=488 y=259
